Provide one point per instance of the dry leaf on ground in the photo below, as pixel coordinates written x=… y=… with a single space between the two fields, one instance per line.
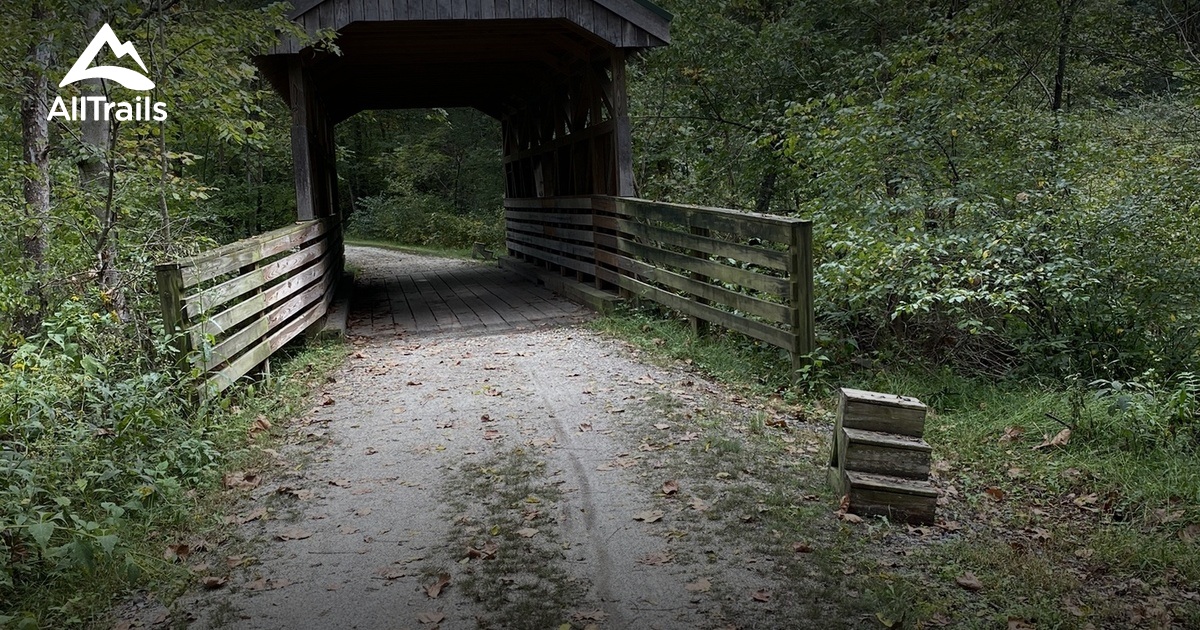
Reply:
x=527 y=532
x=762 y=595
x=969 y=581
x=293 y=533
x=702 y=585
x=431 y=617
x=670 y=487
x=241 y=480
x=1060 y=439
x=213 y=581
x=649 y=516
x=435 y=589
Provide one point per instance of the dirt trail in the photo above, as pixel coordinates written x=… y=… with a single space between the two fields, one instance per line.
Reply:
x=506 y=462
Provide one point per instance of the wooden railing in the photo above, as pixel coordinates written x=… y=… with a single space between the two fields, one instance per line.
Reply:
x=748 y=272
x=234 y=306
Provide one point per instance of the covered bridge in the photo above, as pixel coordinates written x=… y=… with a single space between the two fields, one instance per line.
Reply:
x=553 y=73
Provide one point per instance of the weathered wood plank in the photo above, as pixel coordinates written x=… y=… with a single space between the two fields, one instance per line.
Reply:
x=215 y=296
x=871 y=411
x=302 y=158
x=561 y=203
x=259 y=353
x=584 y=251
x=751 y=328
x=216 y=325
x=775 y=313
x=741 y=224
x=562 y=261
x=233 y=256
x=548 y=217
x=585 y=236
x=866 y=451
x=733 y=275
x=170 y=295
x=768 y=258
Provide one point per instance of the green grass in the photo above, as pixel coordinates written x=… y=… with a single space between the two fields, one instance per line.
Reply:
x=420 y=250
x=1104 y=530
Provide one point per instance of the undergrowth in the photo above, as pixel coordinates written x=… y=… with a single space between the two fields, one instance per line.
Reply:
x=103 y=451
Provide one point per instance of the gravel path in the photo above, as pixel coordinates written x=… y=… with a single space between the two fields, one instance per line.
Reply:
x=481 y=481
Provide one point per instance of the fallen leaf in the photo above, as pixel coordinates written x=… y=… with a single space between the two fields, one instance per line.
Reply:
x=887 y=622
x=702 y=585
x=1190 y=534
x=527 y=532
x=341 y=483
x=800 y=547
x=235 y=561
x=176 y=552
x=853 y=519
x=414 y=383
x=260 y=425
x=698 y=504
x=348 y=529
x=362 y=511
x=670 y=487
x=584 y=427
x=213 y=582
x=241 y=481
x=997 y=494
x=493 y=392
x=253 y=515
x=1012 y=434
x=435 y=589
x=293 y=533
x=491 y=435
x=662 y=426
x=263 y=584
x=1060 y=439
x=657 y=558
x=969 y=581
x=649 y=516
x=761 y=595
x=431 y=617
x=1019 y=624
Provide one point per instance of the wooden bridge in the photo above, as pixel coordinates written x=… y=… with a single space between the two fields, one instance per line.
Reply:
x=553 y=73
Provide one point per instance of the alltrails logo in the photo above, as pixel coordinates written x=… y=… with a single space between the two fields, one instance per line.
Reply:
x=99 y=107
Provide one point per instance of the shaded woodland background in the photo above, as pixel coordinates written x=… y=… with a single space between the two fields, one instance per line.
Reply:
x=1002 y=189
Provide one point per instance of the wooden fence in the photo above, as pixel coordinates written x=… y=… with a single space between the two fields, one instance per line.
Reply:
x=236 y=305
x=748 y=272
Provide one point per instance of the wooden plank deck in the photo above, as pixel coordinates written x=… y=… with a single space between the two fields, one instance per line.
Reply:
x=391 y=297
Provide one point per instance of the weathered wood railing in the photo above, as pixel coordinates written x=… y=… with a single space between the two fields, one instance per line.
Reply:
x=236 y=305
x=748 y=272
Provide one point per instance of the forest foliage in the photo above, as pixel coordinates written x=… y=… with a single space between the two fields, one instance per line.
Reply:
x=1005 y=188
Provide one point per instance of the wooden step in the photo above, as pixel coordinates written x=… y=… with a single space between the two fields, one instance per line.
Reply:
x=883 y=453
x=898 y=499
x=873 y=411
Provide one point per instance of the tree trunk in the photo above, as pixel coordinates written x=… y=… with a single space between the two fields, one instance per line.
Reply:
x=35 y=144
x=95 y=178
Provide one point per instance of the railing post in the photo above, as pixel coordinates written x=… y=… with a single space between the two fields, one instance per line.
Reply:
x=800 y=280
x=699 y=326
x=170 y=295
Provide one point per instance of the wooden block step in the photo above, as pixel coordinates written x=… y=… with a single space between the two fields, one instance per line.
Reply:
x=873 y=411
x=883 y=453
x=902 y=500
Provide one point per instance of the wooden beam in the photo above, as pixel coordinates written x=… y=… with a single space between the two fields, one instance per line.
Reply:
x=302 y=157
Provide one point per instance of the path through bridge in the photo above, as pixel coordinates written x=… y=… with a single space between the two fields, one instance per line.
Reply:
x=503 y=467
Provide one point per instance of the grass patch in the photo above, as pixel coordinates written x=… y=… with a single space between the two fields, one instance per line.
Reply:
x=519 y=580
x=730 y=357
x=1103 y=531
x=420 y=250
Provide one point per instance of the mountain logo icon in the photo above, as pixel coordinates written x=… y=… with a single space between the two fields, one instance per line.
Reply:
x=129 y=78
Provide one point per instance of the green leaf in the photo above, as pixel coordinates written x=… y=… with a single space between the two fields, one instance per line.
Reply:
x=108 y=543
x=42 y=532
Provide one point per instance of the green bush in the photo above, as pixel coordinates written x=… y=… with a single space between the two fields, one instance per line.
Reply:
x=95 y=440
x=424 y=220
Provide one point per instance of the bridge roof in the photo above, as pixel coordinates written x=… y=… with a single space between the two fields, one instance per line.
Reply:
x=493 y=55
